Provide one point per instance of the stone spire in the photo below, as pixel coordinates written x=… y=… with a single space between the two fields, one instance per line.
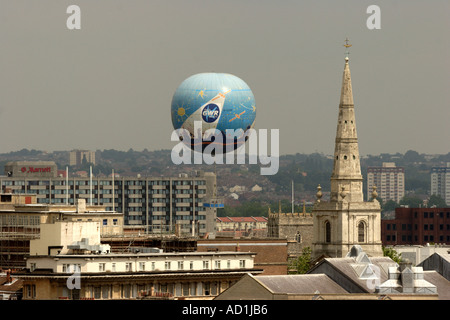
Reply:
x=346 y=179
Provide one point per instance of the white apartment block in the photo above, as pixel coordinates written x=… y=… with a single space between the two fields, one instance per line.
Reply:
x=389 y=180
x=187 y=203
x=440 y=182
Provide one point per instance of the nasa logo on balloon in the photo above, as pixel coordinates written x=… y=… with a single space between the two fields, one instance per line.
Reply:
x=210 y=113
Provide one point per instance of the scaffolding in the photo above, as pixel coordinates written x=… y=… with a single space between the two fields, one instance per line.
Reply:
x=16 y=231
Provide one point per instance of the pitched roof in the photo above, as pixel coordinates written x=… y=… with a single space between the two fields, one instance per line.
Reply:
x=300 y=284
x=360 y=274
x=442 y=284
x=10 y=287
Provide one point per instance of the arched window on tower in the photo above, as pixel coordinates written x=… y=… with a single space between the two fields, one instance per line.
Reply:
x=361 y=231
x=327 y=231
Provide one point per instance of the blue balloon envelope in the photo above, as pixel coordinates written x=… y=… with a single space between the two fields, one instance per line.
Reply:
x=216 y=102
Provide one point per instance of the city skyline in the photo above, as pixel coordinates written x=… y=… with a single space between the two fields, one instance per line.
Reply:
x=109 y=85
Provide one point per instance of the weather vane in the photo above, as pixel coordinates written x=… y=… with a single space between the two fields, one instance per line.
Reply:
x=347 y=45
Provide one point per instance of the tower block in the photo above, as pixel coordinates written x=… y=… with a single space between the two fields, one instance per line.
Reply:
x=346 y=219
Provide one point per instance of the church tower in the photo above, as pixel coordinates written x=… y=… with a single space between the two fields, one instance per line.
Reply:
x=346 y=219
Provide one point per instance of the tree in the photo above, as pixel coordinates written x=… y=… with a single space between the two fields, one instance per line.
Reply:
x=303 y=263
x=411 y=201
x=413 y=156
x=437 y=201
x=391 y=253
x=390 y=205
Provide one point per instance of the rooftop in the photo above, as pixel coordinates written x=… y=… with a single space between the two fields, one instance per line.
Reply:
x=242 y=219
x=300 y=284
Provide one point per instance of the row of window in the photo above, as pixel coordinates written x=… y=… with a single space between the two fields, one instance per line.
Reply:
x=181 y=217
x=132 y=291
x=109 y=191
x=430 y=214
x=151 y=266
x=409 y=227
x=426 y=238
x=100 y=182
x=19 y=220
x=204 y=288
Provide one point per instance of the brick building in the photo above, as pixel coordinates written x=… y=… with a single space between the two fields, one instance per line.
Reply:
x=417 y=226
x=271 y=255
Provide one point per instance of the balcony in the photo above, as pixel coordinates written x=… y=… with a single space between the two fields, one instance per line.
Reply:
x=158 y=204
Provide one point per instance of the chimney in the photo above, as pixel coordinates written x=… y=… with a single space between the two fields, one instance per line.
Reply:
x=407 y=276
x=81 y=205
x=8 y=276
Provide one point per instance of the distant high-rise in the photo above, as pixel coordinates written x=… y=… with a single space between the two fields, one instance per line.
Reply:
x=77 y=157
x=389 y=180
x=440 y=182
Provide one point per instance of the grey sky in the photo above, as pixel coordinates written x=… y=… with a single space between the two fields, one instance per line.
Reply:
x=110 y=84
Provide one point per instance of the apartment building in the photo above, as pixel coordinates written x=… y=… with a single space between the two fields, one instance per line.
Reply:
x=440 y=182
x=389 y=180
x=78 y=157
x=187 y=203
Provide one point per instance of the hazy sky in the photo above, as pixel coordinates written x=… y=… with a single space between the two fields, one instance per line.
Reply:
x=110 y=84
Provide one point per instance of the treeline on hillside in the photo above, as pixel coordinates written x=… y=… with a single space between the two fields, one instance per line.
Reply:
x=305 y=170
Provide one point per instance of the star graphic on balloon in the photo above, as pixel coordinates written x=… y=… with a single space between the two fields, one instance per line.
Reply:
x=201 y=93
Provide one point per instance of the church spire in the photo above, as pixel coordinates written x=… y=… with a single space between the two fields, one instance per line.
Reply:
x=346 y=179
x=346 y=219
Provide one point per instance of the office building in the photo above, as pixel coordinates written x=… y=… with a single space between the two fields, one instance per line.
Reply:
x=35 y=169
x=389 y=180
x=271 y=254
x=417 y=226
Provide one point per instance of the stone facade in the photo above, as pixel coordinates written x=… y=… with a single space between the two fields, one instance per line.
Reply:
x=346 y=219
x=68 y=261
x=296 y=228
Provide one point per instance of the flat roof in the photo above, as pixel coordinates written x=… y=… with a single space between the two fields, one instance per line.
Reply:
x=144 y=254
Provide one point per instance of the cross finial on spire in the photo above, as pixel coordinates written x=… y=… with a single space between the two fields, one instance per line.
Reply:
x=347 y=45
